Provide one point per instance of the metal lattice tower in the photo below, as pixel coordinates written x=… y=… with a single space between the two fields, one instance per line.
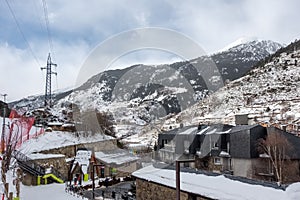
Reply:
x=49 y=72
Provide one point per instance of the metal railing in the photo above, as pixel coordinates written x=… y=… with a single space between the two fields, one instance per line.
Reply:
x=28 y=164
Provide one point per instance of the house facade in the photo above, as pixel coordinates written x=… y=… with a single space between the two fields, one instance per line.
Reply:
x=227 y=149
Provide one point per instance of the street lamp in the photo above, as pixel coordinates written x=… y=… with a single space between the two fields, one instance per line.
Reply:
x=178 y=176
x=93 y=178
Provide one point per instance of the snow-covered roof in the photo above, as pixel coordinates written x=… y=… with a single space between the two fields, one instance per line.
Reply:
x=207 y=130
x=188 y=131
x=57 y=139
x=38 y=156
x=117 y=156
x=216 y=187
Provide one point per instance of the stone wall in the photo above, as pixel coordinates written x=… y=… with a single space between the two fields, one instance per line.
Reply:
x=126 y=169
x=146 y=190
x=58 y=164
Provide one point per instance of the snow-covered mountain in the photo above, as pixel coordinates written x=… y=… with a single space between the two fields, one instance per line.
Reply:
x=269 y=94
x=245 y=41
x=157 y=80
x=140 y=95
x=236 y=61
x=239 y=41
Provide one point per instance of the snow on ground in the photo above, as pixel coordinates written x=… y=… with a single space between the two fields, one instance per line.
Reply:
x=46 y=192
x=55 y=139
x=217 y=187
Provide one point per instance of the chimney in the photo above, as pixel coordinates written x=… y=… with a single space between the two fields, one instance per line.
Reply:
x=241 y=119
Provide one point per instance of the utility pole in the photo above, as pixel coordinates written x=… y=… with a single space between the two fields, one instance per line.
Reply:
x=177 y=174
x=49 y=72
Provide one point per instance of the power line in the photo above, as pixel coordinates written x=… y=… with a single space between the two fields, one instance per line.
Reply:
x=20 y=30
x=47 y=26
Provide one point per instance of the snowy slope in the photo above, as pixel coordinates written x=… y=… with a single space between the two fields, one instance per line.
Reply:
x=239 y=41
x=269 y=94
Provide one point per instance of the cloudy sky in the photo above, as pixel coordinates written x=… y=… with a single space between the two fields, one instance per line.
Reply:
x=77 y=27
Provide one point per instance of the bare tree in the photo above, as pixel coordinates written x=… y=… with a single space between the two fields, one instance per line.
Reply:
x=276 y=146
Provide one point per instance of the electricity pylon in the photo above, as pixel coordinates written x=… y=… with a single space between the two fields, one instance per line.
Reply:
x=49 y=72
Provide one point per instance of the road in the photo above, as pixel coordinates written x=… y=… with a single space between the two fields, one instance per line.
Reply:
x=121 y=191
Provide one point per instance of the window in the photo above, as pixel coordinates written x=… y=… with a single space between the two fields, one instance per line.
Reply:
x=164 y=141
x=215 y=145
x=217 y=161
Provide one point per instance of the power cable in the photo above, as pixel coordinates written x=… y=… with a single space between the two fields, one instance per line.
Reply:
x=49 y=33
x=21 y=32
x=47 y=26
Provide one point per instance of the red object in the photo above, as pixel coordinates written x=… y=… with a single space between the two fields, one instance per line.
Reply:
x=14 y=114
x=2 y=196
x=19 y=130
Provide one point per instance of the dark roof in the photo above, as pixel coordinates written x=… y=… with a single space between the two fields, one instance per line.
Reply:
x=243 y=144
x=200 y=128
x=243 y=127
